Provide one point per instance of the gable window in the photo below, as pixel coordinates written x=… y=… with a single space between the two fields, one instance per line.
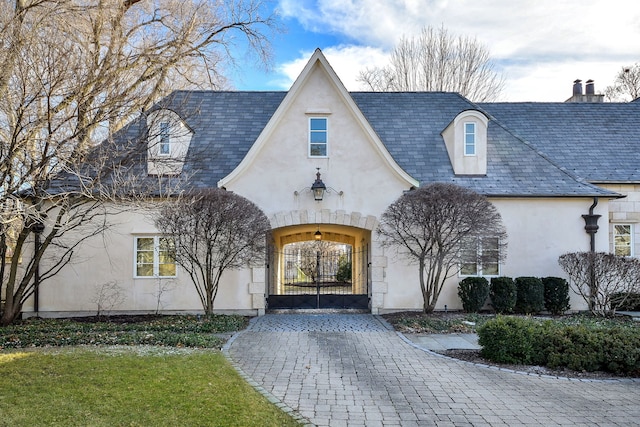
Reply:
x=622 y=241
x=469 y=139
x=318 y=139
x=165 y=138
x=480 y=257
x=154 y=257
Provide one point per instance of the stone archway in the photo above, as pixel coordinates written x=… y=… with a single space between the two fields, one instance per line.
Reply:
x=351 y=231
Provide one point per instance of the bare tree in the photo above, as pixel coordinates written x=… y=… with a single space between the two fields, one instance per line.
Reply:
x=438 y=61
x=598 y=277
x=434 y=225
x=626 y=86
x=72 y=73
x=214 y=231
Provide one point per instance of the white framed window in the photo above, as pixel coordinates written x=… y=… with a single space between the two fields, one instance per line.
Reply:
x=480 y=257
x=318 y=136
x=154 y=257
x=623 y=239
x=165 y=139
x=469 y=139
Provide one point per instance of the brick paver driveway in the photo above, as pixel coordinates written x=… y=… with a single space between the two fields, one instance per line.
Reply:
x=353 y=370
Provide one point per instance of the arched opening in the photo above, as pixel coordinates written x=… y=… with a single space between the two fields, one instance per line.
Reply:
x=319 y=266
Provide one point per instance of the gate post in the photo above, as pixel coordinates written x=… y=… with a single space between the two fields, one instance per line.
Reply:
x=318 y=279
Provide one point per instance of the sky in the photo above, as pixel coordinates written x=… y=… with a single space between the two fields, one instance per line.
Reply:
x=539 y=46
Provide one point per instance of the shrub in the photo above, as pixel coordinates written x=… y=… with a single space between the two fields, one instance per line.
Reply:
x=625 y=301
x=556 y=295
x=503 y=294
x=473 y=291
x=511 y=340
x=577 y=347
x=529 y=295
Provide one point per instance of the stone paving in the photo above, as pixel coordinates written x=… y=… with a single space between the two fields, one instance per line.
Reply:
x=354 y=370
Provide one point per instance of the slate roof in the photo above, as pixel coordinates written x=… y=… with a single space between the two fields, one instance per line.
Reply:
x=546 y=150
x=599 y=142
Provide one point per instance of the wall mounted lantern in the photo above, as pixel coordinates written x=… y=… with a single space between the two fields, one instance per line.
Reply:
x=318 y=234
x=318 y=188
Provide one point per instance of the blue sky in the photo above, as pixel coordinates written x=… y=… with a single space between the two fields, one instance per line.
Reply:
x=540 y=46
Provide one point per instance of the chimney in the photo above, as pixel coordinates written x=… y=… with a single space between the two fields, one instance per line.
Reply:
x=588 y=96
x=591 y=90
x=577 y=87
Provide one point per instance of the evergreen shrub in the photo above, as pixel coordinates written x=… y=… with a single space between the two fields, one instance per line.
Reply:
x=502 y=292
x=556 y=295
x=529 y=295
x=473 y=291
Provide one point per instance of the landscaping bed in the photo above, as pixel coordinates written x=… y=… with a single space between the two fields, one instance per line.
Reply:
x=457 y=322
x=174 y=331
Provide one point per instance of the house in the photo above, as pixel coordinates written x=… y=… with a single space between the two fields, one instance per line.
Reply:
x=545 y=166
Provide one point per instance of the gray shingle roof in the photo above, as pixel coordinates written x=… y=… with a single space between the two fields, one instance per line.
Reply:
x=533 y=149
x=597 y=142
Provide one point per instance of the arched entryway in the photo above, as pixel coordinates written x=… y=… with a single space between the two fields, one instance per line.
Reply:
x=322 y=266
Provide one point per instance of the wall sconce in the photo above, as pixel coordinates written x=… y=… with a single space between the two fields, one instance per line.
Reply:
x=318 y=188
x=318 y=234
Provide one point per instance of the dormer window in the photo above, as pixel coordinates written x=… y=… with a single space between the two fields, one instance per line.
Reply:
x=466 y=141
x=168 y=143
x=469 y=139
x=165 y=138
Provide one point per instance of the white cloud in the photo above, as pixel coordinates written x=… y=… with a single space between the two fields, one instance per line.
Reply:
x=542 y=44
x=346 y=61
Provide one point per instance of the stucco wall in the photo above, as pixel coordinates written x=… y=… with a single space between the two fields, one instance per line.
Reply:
x=539 y=231
x=109 y=258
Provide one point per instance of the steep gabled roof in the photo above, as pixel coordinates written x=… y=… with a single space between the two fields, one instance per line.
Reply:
x=410 y=123
x=598 y=142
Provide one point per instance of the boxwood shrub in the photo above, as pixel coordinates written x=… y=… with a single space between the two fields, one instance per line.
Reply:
x=503 y=294
x=529 y=295
x=473 y=291
x=577 y=347
x=556 y=295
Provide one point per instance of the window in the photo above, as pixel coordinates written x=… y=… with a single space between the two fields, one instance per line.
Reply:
x=469 y=139
x=317 y=137
x=622 y=241
x=165 y=138
x=480 y=257
x=154 y=257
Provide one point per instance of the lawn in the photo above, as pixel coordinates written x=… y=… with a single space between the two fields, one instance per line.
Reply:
x=126 y=385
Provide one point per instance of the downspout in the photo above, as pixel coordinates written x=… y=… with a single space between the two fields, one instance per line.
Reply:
x=591 y=224
x=591 y=227
x=37 y=229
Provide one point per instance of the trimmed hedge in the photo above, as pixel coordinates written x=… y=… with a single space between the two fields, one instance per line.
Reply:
x=556 y=295
x=625 y=302
x=529 y=295
x=526 y=341
x=473 y=291
x=503 y=294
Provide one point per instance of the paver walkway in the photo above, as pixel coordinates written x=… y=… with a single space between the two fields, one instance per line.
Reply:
x=354 y=370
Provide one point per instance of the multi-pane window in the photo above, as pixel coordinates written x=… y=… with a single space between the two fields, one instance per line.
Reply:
x=318 y=133
x=165 y=138
x=622 y=241
x=480 y=257
x=469 y=139
x=154 y=257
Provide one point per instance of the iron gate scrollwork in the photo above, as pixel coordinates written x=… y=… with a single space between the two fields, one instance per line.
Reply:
x=315 y=276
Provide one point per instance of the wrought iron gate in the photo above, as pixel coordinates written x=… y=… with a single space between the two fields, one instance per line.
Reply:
x=316 y=277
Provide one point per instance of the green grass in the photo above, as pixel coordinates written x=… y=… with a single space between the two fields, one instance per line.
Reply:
x=128 y=386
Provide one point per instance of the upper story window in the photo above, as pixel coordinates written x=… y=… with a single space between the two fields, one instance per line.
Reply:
x=154 y=257
x=480 y=257
x=469 y=139
x=622 y=239
x=318 y=136
x=165 y=138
